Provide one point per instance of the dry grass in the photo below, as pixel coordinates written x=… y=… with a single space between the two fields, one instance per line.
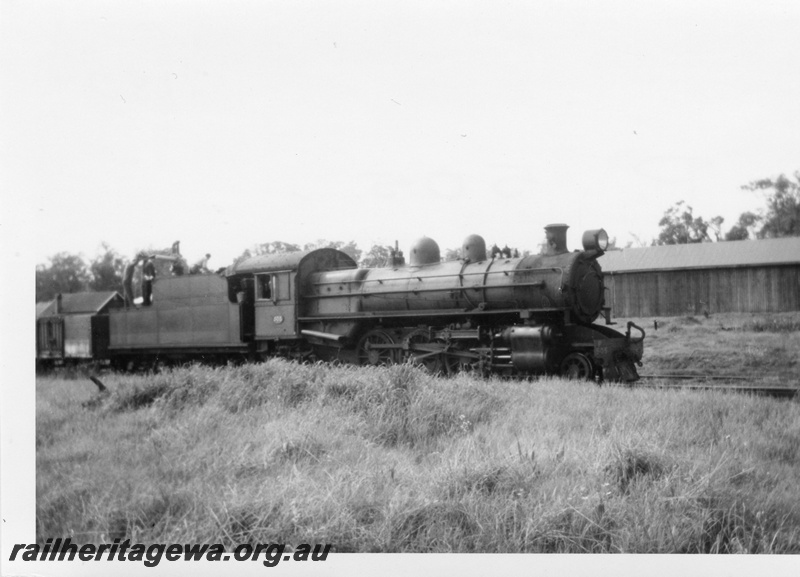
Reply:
x=396 y=460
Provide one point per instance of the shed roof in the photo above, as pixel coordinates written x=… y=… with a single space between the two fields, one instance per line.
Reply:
x=743 y=253
x=76 y=303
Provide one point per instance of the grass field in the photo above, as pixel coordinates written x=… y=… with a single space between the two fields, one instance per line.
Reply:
x=393 y=460
x=763 y=348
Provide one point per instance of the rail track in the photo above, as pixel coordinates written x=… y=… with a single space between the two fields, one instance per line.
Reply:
x=736 y=384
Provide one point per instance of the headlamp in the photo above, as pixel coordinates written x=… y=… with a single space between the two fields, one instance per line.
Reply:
x=596 y=239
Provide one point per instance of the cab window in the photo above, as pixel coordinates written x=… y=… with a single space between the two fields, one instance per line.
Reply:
x=264 y=286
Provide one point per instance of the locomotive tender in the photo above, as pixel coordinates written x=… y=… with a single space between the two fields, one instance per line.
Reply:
x=512 y=316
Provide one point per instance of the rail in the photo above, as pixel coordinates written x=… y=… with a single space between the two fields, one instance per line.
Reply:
x=718 y=383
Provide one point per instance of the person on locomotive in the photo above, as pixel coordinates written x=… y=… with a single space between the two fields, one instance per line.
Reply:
x=148 y=277
x=201 y=266
x=177 y=267
x=127 y=281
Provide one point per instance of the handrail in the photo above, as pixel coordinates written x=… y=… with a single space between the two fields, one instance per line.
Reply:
x=538 y=284
x=481 y=273
x=422 y=313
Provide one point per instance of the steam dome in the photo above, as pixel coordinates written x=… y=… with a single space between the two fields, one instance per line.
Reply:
x=474 y=248
x=424 y=251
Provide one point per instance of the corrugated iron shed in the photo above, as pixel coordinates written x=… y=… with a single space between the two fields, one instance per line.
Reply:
x=730 y=254
x=77 y=303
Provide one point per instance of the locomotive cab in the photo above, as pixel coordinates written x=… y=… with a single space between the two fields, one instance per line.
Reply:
x=270 y=291
x=274 y=305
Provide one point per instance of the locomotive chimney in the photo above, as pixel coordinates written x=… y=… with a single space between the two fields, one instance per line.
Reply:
x=396 y=257
x=556 y=235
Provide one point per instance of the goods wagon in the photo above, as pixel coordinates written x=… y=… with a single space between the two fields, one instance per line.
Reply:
x=74 y=327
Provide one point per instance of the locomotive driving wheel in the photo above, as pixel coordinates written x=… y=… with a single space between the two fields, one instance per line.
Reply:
x=577 y=366
x=372 y=349
x=432 y=361
x=453 y=362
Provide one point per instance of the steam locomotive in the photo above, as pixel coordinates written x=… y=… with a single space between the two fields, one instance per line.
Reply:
x=492 y=314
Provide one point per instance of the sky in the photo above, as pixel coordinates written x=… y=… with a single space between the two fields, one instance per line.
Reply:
x=227 y=124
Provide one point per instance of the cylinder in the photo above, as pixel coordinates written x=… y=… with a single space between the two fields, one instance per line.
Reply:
x=528 y=347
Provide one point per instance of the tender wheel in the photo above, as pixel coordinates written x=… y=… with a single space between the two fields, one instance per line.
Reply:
x=576 y=366
x=370 y=351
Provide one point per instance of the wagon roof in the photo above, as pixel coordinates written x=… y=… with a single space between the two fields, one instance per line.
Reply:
x=43 y=308
x=288 y=261
x=75 y=303
x=775 y=251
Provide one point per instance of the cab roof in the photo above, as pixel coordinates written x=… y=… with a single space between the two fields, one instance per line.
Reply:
x=319 y=259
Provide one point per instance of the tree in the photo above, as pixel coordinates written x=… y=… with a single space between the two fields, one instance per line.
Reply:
x=715 y=224
x=378 y=255
x=349 y=248
x=612 y=244
x=637 y=242
x=67 y=273
x=783 y=205
x=274 y=247
x=106 y=270
x=744 y=228
x=452 y=254
x=680 y=226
